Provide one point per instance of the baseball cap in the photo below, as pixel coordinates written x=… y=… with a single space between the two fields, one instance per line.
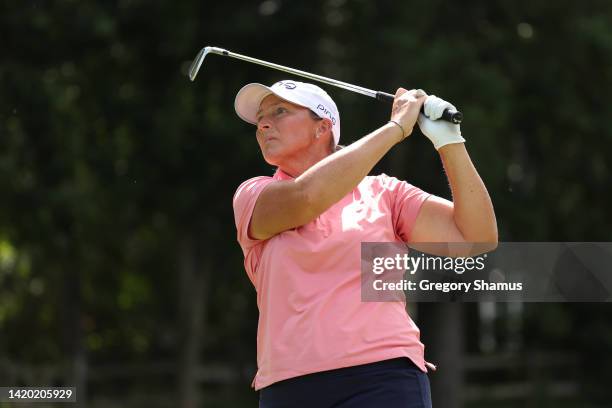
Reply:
x=307 y=95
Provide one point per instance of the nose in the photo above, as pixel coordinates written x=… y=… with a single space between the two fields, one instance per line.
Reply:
x=263 y=124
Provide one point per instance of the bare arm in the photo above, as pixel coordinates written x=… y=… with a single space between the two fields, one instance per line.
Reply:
x=289 y=204
x=469 y=217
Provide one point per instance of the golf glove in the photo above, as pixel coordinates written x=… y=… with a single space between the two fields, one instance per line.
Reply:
x=440 y=132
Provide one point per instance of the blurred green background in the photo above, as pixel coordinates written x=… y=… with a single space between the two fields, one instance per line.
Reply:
x=120 y=273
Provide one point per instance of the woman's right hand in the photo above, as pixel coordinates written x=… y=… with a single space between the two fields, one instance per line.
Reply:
x=406 y=107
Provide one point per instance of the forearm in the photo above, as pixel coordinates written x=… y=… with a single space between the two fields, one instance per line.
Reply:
x=473 y=210
x=329 y=180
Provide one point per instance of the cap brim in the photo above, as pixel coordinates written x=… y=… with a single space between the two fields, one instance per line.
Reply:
x=248 y=100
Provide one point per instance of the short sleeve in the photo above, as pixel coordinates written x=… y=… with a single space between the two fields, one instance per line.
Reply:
x=244 y=202
x=406 y=202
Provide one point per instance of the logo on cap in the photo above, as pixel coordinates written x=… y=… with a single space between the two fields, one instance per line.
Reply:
x=287 y=84
x=327 y=112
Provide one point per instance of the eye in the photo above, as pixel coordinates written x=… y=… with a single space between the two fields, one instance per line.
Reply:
x=280 y=110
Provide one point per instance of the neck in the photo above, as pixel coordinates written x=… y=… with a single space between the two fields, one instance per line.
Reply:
x=296 y=166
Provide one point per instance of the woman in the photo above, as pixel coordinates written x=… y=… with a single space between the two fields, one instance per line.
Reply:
x=300 y=231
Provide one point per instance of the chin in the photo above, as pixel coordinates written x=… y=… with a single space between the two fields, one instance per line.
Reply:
x=271 y=159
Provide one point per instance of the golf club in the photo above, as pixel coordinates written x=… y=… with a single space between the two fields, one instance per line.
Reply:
x=449 y=115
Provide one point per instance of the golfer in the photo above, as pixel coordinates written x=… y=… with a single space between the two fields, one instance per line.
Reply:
x=301 y=230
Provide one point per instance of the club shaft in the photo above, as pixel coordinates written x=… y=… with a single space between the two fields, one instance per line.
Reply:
x=333 y=82
x=452 y=116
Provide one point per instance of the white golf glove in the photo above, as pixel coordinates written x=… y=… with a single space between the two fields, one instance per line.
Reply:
x=440 y=132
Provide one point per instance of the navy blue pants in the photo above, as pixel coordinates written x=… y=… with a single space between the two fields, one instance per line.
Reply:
x=395 y=383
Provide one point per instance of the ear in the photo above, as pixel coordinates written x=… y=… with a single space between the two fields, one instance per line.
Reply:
x=323 y=127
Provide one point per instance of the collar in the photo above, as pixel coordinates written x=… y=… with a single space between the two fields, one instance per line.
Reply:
x=281 y=175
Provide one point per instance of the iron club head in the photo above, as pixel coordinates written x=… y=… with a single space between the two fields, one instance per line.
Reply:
x=199 y=59
x=197 y=63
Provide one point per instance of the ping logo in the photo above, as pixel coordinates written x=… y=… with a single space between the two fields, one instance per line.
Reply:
x=326 y=112
x=286 y=84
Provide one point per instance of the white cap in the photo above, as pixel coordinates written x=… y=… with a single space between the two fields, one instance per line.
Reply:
x=309 y=96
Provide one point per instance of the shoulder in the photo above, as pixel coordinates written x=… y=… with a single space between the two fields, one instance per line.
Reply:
x=383 y=182
x=251 y=186
x=395 y=188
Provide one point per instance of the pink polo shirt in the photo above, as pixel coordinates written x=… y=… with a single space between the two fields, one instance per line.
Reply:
x=311 y=317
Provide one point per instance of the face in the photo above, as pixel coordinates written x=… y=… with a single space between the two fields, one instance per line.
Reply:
x=284 y=130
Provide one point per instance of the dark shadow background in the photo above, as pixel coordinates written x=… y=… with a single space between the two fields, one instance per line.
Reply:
x=119 y=267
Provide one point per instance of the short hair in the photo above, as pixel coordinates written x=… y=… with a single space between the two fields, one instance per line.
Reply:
x=314 y=115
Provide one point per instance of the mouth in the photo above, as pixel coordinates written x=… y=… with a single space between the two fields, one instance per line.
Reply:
x=265 y=138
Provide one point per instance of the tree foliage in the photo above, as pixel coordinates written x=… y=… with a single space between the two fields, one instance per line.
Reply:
x=110 y=158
